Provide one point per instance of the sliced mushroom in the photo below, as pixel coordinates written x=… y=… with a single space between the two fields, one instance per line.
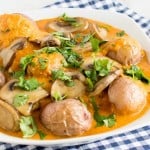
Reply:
x=76 y=75
x=9 y=117
x=7 y=53
x=62 y=26
x=2 y=79
x=89 y=62
x=8 y=92
x=105 y=82
x=83 y=48
x=48 y=40
x=59 y=87
x=100 y=32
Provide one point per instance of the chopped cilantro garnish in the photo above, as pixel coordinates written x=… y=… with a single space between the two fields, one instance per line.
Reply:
x=28 y=126
x=41 y=134
x=121 y=33
x=102 y=120
x=103 y=66
x=43 y=63
x=73 y=59
x=95 y=44
x=20 y=100
x=136 y=73
x=27 y=84
x=59 y=74
x=57 y=96
x=25 y=61
x=70 y=20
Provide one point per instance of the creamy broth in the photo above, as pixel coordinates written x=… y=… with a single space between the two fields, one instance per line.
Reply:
x=106 y=107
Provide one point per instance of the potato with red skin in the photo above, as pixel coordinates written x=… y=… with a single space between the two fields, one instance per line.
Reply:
x=68 y=117
x=127 y=96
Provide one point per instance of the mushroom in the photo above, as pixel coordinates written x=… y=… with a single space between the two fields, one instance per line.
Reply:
x=64 y=26
x=100 y=32
x=125 y=50
x=9 y=117
x=105 y=82
x=8 y=92
x=89 y=62
x=48 y=40
x=68 y=117
x=83 y=48
x=2 y=79
x=59 y=87
x=127 y=95
x=7 y=53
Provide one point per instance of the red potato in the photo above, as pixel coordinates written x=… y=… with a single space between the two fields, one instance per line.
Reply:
x=68 y=117
x=127 y=96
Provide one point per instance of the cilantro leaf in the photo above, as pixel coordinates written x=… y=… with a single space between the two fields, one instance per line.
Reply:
x=57 y=96
x=70 y=20
x=72 y=58
x=136 y=73
x=103 y=66
x=59 y=74
x=102 y=120
x=42 y=62
x=27 y=84
x=120 y=34
x=28 y=126
x=20 y=100
x=41 y=134
x=25 y=61
x=95 y=44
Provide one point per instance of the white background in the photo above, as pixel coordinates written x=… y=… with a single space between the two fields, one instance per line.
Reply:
x=140 y=6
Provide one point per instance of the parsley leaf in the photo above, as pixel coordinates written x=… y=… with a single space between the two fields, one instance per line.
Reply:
x=28 y=126
x=101 y=120
x=136 y=73
x=59 y=74
x=120 y=34
x=20 y=100
x=27 y=84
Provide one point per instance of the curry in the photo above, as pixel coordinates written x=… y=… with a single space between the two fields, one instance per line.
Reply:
x=68 y=77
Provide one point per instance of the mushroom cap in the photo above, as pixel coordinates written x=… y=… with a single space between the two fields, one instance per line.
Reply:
x=59 y=87
x=105 y=82
x=8 y=92
x=125 y=50
x=127 y=96
x=7 y=53
x=61 y=26
x=66 y=118
x=9 y=117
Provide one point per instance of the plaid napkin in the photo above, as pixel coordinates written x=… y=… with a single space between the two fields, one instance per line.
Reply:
x=138 y=139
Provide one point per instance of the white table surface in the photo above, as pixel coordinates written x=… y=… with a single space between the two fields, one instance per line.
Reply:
x=140 y=6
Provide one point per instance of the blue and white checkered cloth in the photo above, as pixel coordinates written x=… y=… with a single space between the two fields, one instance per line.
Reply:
x=138 y=139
